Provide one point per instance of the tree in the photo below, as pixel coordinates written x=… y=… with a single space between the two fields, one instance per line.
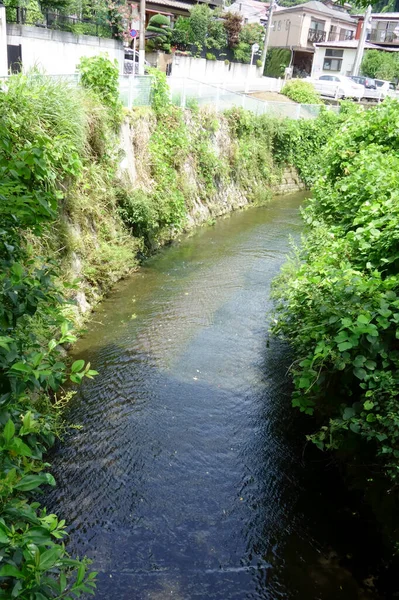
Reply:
x=233 y=26
x=381 y=65
x=160 y=25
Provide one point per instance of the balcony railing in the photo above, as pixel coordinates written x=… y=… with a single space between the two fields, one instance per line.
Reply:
x=342 y=36
x=381 y=36
x=315 y=36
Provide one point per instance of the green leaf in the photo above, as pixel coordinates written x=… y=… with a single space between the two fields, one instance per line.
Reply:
x=348 y=413
x=11 y=571
x=31 y=482
x=9 y=431
x=363 y=319
x=23 y=367
x=360 y=373
x=49 y=558
x=77 y=366
x=344 y=346
x=368 y=405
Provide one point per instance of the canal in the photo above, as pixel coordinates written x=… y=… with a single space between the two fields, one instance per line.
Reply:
x=189 y=477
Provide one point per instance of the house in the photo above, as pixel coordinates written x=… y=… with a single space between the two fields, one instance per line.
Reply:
x=337 y=58
x=300 y=27
x=384 y=28
x=251 y=11
x=176 y=8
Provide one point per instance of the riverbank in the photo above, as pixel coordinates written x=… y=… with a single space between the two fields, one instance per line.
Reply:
x=71 y=227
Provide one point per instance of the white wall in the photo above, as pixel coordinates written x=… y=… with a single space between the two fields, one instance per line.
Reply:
x=3 y=42
x=212 y=71
x=346 y=65
x=58 y=52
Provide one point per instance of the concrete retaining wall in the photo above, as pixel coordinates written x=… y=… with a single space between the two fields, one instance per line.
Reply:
x=290 y=182
x=58 y=52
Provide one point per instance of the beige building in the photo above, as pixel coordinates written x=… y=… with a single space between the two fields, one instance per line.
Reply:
x=300 y=27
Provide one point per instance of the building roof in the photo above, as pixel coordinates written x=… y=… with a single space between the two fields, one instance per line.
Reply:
x=316 y=6
x=353 y=44
x=172 y=4
x=388 y=16
x=249 y=8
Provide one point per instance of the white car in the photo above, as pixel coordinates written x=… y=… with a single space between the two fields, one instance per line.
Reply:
x=338 y=86
x=384 y=89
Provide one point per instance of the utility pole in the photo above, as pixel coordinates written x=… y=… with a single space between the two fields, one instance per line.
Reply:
x=142 y=38
x=362 y=42
x=267 y=35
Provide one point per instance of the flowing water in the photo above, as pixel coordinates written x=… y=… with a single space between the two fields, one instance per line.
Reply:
x=189 y=479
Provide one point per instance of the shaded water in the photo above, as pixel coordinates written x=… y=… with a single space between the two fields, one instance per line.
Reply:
x=187 y=480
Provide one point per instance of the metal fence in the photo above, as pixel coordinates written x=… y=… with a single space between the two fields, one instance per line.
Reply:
x=48 y=19
x=187 y=92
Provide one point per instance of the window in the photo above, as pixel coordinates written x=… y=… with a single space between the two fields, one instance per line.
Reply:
x=287 y=24
x=332 y=64
x=334 y=53
x=279 y=26
x=317 y=25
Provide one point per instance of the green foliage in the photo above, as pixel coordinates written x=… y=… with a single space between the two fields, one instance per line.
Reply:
x=181 y=33
x=42 y=144
x=381 y=65
x=338 y=298
x=216 y=36
x=301 y=92
x=242 y=52
x=101 y=75
x=200 y=15
x=210 y=56
x=233 y=26
x=277 y=60
x=259 y=63
x=160 y=24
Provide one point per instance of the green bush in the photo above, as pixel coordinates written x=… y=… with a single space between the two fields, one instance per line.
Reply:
x=160 y=24
x=338 y=299
x=381 y=65
x=101 y=76
x=138 y=213
x=300 y=91
x=277 y=60
x=210 y=56
x=43 y=144
x=259 y=63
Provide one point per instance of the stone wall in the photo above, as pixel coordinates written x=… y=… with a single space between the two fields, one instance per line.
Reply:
x=290 y=182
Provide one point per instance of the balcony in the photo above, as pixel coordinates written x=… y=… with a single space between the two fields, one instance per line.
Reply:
x=342 y=36
x=382 y=36
x=315 y=36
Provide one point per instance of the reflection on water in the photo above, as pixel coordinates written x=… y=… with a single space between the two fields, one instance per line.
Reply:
x=187 y=480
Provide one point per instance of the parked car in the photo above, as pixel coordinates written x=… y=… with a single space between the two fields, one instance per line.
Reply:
x=338 y=86
x=382 y=90
x=368 y=83
x=132 y=62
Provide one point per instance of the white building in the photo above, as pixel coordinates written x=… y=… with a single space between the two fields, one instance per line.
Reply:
x=251 y=11
x=337 y=58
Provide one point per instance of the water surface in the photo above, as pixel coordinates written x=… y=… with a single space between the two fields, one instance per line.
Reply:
x=188 y=479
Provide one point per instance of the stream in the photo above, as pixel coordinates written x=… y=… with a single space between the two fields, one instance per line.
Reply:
x=190 y=477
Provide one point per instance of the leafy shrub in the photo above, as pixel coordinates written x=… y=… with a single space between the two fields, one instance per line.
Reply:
x=338 y=299
x=300 y=91
x=181 y=33
x=277 y=60
x=233 y=26
x=217 y=36
x=259 y=63
x=210 y=56
x=160 y=24
x=101 y=76
x=138 y=213
x=226 y=62
x=42 y=144
x=381 y=65
x=200 y=15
